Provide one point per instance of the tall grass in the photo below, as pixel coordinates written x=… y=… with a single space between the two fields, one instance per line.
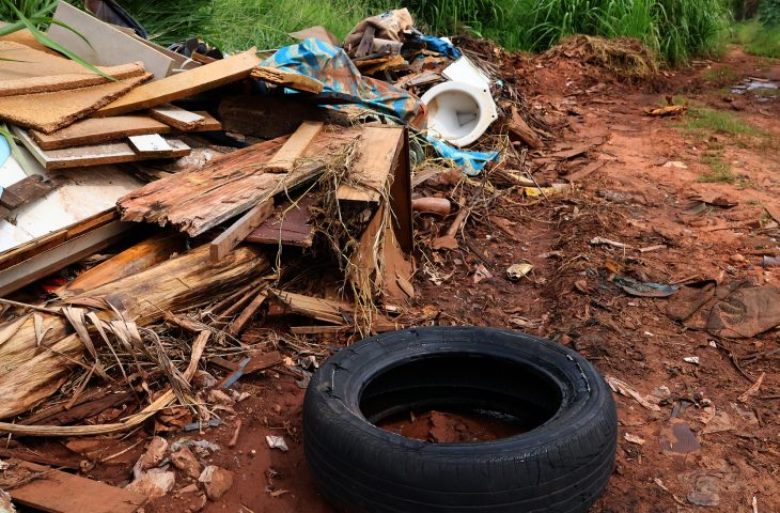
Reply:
x=675 y=29
x=30 y=8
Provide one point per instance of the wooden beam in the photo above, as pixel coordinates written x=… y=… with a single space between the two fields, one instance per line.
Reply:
x=284 y=160
x=239 y=230
x=187 y=83
x=60 y=492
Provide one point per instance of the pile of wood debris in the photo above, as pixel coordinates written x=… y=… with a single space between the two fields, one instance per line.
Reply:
x=308 y=226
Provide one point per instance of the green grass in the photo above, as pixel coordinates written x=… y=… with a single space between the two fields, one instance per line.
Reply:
x=707 y=120
x=721 y=76
x=676 y=30
x=720 y=170
x=758 y=39
x=30 y=8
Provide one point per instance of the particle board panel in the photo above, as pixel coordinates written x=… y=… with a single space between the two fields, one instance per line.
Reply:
x=188 y=83
x=107 y=45
x=24 y=70
x=48 y=112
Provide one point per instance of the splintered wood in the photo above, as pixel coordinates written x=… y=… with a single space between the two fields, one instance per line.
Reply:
x=195 y=201
x=31 y=371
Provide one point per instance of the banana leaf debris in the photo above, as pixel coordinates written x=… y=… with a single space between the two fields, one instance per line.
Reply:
x=175 y=219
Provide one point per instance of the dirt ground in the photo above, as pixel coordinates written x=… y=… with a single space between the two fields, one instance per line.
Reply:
x=640 y=196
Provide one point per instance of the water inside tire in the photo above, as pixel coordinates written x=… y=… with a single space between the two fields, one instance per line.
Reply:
x=459 y=398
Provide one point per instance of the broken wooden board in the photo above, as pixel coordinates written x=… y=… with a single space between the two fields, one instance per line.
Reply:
x=197 y=200
x=288 y=226
x=284 y=160
x=107 y=45
x=182 y=85
x=188 y=280
x=287 y=79
x=95 y=155
x=238 y=231
x=339 y=313
x=378 y=149
x=60 y=492
x=177 y=117
x=48 y=112
x=24 y=70
x=379 y=267
x=99 y=130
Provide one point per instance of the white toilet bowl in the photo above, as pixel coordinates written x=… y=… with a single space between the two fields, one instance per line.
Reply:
x=459 y=112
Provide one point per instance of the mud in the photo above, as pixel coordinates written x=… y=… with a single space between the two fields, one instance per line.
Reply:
x=640 y=194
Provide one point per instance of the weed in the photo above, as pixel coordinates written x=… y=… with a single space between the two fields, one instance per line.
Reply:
x=759 y=39
x=704 y=119
x=721 y=76
x=720 y=170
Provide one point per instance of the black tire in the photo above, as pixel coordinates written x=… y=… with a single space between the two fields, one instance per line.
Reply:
x=562 y=465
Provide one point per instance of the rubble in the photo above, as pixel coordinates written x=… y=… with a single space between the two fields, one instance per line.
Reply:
x=216 y=480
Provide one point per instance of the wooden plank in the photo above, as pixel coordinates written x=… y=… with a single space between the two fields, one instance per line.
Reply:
x=238 y=231
x=286 y=79
x=99 y=130
x=285 y=159
x=59 y=492
x=83 y=156
x=69 y=251
x=28 y=71
x=48 y=112
x=197 y=200
x=177 y=117
x=378 y=149
x=152 y=145
x=289 y=226
x=182 y=85
x=26 y=38
x=107 y=45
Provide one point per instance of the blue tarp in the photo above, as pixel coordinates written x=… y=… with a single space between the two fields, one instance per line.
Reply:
x=472 y=162
x=344 y=83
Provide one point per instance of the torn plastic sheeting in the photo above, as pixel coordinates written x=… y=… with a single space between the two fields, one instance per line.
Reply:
x=472 y=162
x=441 y=46
x=343 y=82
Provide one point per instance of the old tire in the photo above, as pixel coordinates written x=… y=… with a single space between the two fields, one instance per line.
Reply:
x=562 y=465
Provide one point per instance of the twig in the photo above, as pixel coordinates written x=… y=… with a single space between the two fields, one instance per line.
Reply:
x=18 y=304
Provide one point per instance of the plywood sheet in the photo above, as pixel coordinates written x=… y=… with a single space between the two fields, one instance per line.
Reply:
x=188 y=83
x=48 y=112
x=107 y=46
x=99 y=130
x=288 y=226
x=107 y=153
x=24 y=70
